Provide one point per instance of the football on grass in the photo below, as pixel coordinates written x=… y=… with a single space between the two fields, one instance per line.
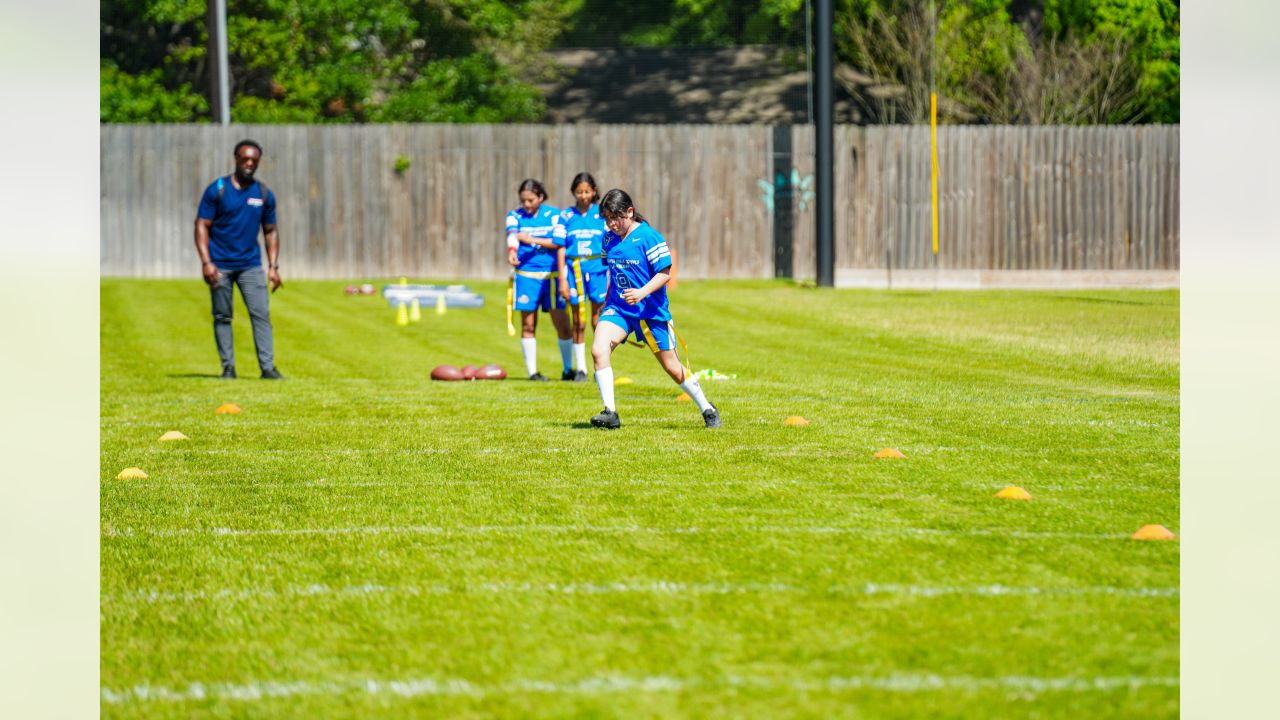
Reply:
x=469 y=372
x=446 y=372
x=491 y=372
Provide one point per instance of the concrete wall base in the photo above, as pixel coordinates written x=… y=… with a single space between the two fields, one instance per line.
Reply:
x=1005 y=279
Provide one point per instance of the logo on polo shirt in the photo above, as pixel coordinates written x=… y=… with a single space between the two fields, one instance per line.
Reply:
x=256 y=202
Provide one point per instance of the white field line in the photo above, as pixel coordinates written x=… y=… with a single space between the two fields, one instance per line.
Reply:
x=410 y=688
x=601 y=530
x=653 y=587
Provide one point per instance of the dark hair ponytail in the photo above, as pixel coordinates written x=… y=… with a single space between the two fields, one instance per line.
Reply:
x=533 y=186
x=585 y=177
x=617 y=202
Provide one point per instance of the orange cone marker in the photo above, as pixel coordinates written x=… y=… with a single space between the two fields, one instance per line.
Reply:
x=228 y=409
x=795 y=421
x=683 y=397
x=890 y=453
x=1013 y=492
x=1153 y=532
x=132 y=474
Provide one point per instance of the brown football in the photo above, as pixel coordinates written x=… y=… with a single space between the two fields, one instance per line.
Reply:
x=446 y=372
x=469 y=372
x=491 y=371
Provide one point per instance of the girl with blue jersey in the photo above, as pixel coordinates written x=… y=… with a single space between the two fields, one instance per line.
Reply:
x=639 y=264
x=534 y=238
x=581 y=269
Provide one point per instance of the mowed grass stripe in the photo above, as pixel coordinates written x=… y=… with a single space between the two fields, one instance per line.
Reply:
x=787 y=555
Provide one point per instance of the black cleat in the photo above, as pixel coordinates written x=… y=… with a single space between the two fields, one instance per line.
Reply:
x=711 y=416
x=567 y=376
x=229 y=373
x=272 y=374
x=580 y=376
x=607 y=419
x=538 y=377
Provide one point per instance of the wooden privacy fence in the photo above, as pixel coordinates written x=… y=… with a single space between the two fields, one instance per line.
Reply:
x=735 y=201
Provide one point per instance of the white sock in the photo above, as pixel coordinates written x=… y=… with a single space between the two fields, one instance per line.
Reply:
x=529 y=346
x=566 y=353
x=691 y=386
x=580 y=356
x=604 y=379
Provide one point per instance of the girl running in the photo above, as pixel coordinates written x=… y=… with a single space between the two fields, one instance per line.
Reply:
x=580 y=265
x=534 y=238
x=636 y=302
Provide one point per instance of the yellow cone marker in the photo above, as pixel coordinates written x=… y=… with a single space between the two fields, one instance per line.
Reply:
x=415 y=310
x=1013 y=492
x=889 y=453
x=440 y=307
x=402 y=315
x=173 y=435
x=795 y=420
x=1153 y=532
x=228 y=409
x=683 y=397
x=623 y=381
x=132 y=474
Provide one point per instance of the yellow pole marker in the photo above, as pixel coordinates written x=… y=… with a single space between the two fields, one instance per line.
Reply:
x=1013 y=492
x=132 y=473
x=173 y=435
x=1153 y=532
x=795 y=421
x=933 y=170
x=402 y=314
x=440 y=307
x=415 y=310
x=228 y=409
x=890 y=453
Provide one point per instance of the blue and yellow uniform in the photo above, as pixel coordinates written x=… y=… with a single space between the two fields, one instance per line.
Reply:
x=533 y=285
x=632 y=263
x=583 y=252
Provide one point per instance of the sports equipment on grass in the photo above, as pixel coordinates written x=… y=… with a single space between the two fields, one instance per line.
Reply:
x=469 y=372
x=446 y=372
x=491 y=371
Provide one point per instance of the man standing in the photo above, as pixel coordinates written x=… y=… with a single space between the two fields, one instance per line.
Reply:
x=231 y=211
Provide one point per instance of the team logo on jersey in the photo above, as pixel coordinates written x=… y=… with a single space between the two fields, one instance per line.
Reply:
x=256 y=202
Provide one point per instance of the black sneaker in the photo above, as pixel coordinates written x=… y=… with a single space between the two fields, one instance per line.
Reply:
x=607 y=419
x=580 y=376
x=272 y=374
x=538 y=377
x=229 y=373
x=711 y=416
x=567 y=376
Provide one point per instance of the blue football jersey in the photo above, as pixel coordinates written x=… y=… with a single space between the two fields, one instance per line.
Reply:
x=632 y=263
x=584 y=235
x=545 y=223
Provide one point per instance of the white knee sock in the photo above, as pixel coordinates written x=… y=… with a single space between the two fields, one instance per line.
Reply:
x=580 y=356
x=566 y=353
x=529 y=346
x=604 y=379
x=691 y=386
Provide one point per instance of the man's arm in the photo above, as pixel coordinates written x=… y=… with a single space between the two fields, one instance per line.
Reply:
x=207 y=268
x=272 y=236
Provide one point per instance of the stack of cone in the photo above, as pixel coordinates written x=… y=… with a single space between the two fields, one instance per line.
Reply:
x=1153 y=532
x=440 y=304
x=415 y=311
x=889 y=453
x=402 y=315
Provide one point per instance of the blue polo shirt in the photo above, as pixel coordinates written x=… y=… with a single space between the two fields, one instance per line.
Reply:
x=237 y=216
x=632 y=264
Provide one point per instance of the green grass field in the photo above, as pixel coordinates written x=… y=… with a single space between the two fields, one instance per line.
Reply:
x=361 y=541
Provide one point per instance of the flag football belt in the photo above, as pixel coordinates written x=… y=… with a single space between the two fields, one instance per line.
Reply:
x=653 y=344
x=511 y=293
x=582 y=289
